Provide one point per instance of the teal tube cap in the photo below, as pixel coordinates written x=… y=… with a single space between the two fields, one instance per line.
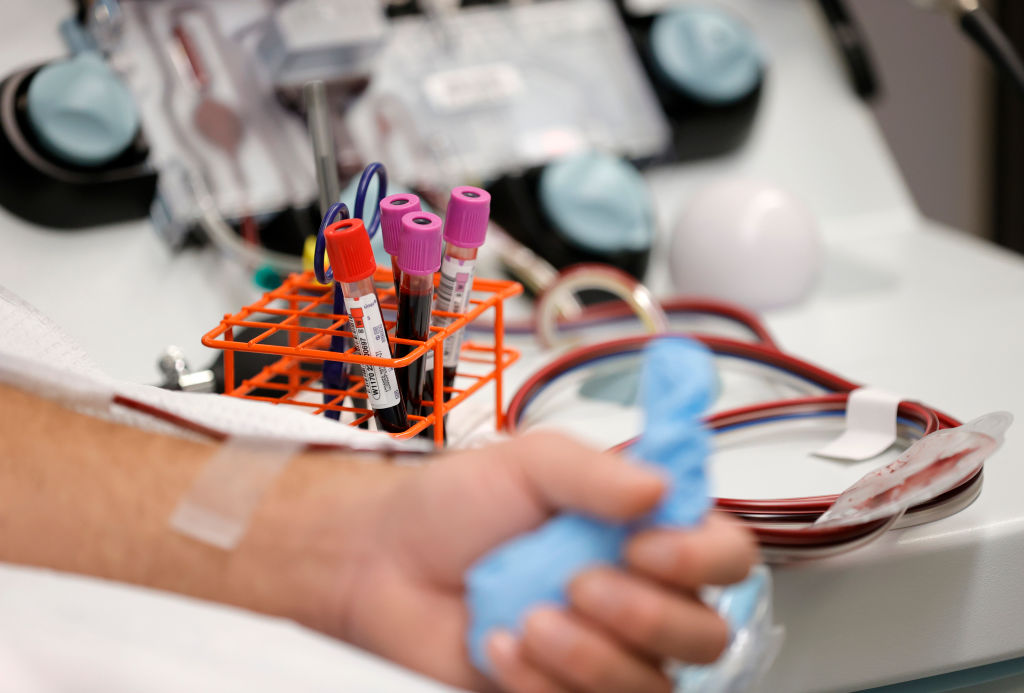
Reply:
x=707 y=53
x=599 y=202
x=81 y=112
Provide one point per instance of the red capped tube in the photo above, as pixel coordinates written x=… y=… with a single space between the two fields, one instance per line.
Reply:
x=348 y=247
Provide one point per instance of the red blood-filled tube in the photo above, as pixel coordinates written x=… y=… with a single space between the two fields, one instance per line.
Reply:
x=392 y=209
x=348 y=247
x=465 y=229
x=419 y=256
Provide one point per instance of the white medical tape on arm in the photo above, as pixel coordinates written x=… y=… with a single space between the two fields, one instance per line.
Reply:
x=870 y=426
x=218 y=507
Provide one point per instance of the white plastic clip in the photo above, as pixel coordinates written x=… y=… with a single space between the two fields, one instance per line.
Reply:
x=870 y=426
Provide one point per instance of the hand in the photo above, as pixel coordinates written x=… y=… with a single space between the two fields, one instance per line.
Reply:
x=403 y=591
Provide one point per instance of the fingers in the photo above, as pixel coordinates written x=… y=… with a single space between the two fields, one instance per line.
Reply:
x=582 y=658
x=651 y=619
x=719 y=552
x=567 y=475
x=621 y=626
x=511 y=669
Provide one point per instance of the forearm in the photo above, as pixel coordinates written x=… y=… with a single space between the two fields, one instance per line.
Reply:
x=89 y=496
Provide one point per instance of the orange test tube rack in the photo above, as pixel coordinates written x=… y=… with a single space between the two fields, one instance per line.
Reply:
x=302 y=308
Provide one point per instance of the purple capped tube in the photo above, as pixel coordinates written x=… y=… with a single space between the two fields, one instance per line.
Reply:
x=465 y=229
x=419 y=257
x=392 y=209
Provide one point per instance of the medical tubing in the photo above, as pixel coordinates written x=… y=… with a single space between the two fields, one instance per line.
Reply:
x=911 y=412
x=224 y=237
x=210 y=218
x=615 y=311
x=758 y=353
x=794 y=509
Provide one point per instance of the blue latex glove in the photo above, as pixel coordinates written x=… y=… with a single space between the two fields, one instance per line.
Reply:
x=677 y=386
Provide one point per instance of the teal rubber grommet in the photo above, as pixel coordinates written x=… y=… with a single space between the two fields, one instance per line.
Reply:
x=266 y=277
x=81 y=111
x=599 y=202
x=707 y=53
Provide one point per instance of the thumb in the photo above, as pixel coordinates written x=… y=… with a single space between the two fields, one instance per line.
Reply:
x=564 y=474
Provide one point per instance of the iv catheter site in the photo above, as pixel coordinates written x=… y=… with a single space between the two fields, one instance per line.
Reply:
x=536 y=347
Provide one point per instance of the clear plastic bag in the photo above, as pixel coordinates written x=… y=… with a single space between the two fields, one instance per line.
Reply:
x=754 y=644
x=927 y=469
x=491 y=89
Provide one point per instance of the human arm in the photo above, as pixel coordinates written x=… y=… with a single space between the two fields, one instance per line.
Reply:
x=373 y=553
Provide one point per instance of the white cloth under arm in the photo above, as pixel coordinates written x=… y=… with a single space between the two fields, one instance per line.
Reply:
x=37 y=356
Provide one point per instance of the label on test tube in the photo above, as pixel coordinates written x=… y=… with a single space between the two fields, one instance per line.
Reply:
x=453 y=297
x=371 y=338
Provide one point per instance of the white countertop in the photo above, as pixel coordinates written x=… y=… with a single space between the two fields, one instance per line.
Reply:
x=903 y=304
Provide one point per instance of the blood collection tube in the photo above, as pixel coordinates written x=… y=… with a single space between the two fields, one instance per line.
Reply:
x=419 y=256
x=348 y=247
x=392 y=209
x=465 y=228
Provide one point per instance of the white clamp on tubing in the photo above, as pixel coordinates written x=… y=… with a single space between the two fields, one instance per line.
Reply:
x=220 y=504
x=870 y=426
